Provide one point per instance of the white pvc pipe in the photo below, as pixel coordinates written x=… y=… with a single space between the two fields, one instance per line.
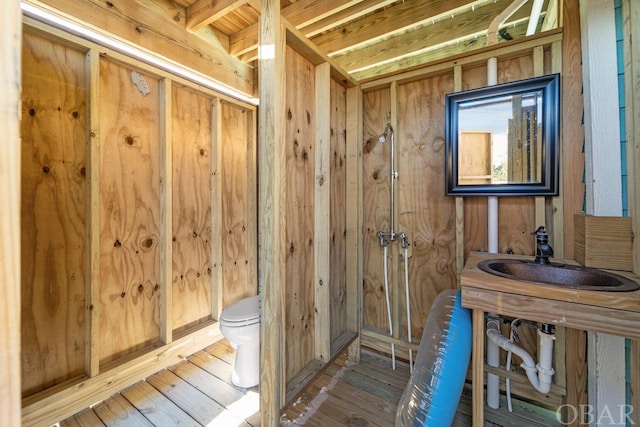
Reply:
x=493 y=360
x=545 y=366
x=386 y=291
x=539 y=375
x=492 y=224
x=492 y=71
x=493 y=351
x=406 y=282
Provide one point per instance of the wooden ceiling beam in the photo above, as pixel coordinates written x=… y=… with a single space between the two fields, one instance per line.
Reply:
x=300 y=14
x=420 y=59
x=396 y=19
x=305 y=12
x=466 y=28
x=346 y=15
x=150 y=30
x=303 y=46
x=204 y=12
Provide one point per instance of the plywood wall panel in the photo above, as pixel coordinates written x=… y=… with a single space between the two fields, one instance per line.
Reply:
x=377 y=112
x=53 y=213
x=474 y=77
x=191 y=151
x=338 y=216
x=516 y=222
x=513 y=69
x=239 y=263
x=426 y=214
x=475 y=225
x=300 y=166
x=129 y=212
x=83 y=117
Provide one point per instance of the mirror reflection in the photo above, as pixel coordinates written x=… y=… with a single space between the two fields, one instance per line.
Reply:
x=499 y=140
x=503 y=139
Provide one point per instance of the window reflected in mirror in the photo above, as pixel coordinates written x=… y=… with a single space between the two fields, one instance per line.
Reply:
x=502 y=140
x=499 y=140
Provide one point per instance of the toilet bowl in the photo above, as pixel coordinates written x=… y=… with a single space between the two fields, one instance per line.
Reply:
x=240 y=324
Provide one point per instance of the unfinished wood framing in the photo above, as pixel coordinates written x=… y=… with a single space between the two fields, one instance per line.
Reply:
x=204 y=12
x=631 y=32
x=540 y=202
x=68 y=399
x=166 y=213
x=271 y=224
x=556 y=205
x=217 y=228
x=92 y=364
x=125 y=22
x=196 y=278
x=10 y=77
x=299 y=211
x=53 y=213
x=396 y=265
x=322 y=214
x=354 y=217
x=338 y=298
x=519 y=216
x=129 y=213
x=457 y=87
x=148 y=143
x=158 y=221
x=239 y=224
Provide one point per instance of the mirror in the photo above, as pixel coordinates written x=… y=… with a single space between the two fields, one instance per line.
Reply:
x=502 y=140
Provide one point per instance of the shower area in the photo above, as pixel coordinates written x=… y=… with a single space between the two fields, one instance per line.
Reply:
x=409 y=222
x=409 y=229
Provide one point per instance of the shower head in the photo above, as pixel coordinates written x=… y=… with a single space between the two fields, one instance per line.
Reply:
x=385 y=134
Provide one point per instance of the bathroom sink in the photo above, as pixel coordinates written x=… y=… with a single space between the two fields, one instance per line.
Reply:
x=568 y=276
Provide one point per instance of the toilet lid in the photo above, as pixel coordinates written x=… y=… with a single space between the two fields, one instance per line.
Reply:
x=242 y=311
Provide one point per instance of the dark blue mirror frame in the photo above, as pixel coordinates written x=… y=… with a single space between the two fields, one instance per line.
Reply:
x=548 y=185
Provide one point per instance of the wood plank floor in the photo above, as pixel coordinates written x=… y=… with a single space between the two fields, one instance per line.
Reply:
x=367 y=394
x=197 y=392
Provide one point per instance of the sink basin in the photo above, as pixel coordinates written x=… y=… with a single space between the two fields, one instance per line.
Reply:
x=568 y=276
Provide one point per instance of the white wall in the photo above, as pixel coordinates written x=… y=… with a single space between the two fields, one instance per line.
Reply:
x=606 y=359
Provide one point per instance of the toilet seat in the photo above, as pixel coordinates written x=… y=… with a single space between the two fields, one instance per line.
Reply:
x=245 y=312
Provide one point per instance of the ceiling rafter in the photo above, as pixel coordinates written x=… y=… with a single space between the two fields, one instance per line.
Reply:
x=301 y=14
x=425 y=38
x=431 y=54
x=395 y=19
x=204 y=12
x=368 y=38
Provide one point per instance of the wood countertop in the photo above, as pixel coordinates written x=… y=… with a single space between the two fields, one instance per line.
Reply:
x=616 y=313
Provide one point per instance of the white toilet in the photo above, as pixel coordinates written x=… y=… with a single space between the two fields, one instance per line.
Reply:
x=240 y=324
